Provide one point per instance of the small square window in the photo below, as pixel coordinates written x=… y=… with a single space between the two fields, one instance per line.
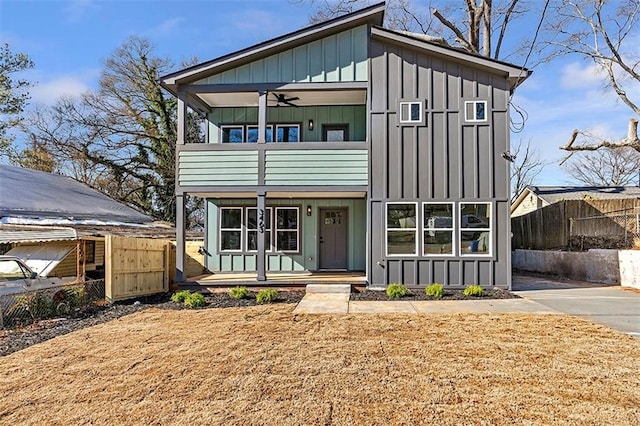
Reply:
x=410 y=112
x=475 y=111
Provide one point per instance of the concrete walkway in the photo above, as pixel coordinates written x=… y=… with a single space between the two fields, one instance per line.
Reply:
x=331 y=299
x=613 y=306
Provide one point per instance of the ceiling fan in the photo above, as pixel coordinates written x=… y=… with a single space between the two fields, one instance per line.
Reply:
x=281 y=98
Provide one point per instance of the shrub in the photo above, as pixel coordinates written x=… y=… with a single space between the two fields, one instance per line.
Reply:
x=435 y=290
x=239 y=292
x=474 y=290
x=396 y=291
x=267 y=295
x=180 y=296
x=194 y=300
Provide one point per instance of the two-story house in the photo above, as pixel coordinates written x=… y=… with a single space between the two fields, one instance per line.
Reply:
x=345 y=146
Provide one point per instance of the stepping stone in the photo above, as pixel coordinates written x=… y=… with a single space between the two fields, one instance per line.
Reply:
x=329 y=288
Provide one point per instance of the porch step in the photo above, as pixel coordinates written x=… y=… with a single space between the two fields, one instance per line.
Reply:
x=329 y=288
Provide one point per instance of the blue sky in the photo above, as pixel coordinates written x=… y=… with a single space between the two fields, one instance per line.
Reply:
x=68 y=40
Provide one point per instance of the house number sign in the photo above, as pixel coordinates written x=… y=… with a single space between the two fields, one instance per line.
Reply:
x=261 y=221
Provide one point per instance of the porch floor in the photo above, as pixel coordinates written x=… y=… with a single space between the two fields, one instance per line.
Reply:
x=277 y=279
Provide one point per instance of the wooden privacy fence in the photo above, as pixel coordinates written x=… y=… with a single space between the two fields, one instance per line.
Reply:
x=136 y=267
x=551 y=227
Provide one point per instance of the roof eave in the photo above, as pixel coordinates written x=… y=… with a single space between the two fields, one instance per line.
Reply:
x=515 y=75
x=373 y=15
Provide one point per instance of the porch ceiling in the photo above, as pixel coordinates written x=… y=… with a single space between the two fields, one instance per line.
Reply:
x=306 y=98
x=285 y=195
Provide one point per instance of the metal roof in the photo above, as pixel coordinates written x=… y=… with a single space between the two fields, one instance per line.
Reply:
x=29 y=234
x=35 y=194
x=553 y=194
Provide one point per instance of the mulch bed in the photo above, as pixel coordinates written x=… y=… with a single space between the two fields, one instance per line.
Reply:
x=13 y=340
x=496 y=293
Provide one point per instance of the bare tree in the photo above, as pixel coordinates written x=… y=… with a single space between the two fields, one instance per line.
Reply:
x=606 y=34
x=478 y=26
x=605 y=167
x=121 y=138
x=526 y=167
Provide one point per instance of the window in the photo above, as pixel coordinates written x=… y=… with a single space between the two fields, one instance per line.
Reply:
x=232 y=134
x=475 y=111
x=335 y=133
x=252 y=229
x=89 y=251
x=252 y=134
x=411 y=112
x=231 y=229
x=401 y=229
x=438 y=228
x=287 y=133
x=287 y=228
x=475 y=228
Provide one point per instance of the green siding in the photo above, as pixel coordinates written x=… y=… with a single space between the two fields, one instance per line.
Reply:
x=218 y=168
x=307 y=259
x=340 y=57
x=316 y=167
x=353 y=115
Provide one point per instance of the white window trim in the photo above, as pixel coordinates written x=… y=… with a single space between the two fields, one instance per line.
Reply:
x=268 y=242
x=474 y=119
x=452 y=229
x=232 y=126
x=387 y=229
x=255 y=126
x=279 y=125
x=221 y=229
x=490 y=230
x=276 y=229
x=410 y=121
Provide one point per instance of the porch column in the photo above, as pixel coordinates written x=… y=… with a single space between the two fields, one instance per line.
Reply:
x=262 y=275
x=262 y=115
x=180 y=235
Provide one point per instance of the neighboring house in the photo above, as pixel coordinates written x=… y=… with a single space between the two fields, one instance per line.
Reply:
x=535 y=197
x=50 y=220
x=335 y=147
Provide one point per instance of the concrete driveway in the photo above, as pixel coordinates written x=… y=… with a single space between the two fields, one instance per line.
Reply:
x=614 y=306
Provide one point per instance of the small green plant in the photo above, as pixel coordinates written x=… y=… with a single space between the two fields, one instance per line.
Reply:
x=194 y=300
x=268 y=295
x=435 y=291
x=396 y=291
x=474 y=290
x=180 y=296
x=239 y=292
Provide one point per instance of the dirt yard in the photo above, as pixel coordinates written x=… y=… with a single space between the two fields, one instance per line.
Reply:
x=263 y=365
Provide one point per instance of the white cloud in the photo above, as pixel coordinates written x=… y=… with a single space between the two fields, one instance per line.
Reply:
x=48 y=92
x=576 y=76
x=165 y=28
x=77 y=9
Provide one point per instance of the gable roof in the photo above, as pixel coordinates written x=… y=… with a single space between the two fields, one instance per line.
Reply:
x=373 y=15
x=515 y=74
x=26 y=193
x=553 y=194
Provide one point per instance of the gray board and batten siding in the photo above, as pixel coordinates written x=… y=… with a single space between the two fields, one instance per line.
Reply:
x=444 y=159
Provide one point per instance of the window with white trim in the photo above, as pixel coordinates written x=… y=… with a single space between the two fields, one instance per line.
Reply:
x=438 y=226
x=231 y=228
x=232 y=134
x=287 y=133
x=402 y=231
x=475 y=111
x=287 y=229
x=252 y=229
x=252 y=134
x=411 y=112
x=475 y=228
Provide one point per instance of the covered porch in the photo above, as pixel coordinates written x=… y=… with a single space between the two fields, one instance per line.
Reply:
x=280 y=279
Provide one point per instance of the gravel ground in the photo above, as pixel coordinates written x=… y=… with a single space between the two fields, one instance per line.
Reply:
x=448 y=295
x=13 y=340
